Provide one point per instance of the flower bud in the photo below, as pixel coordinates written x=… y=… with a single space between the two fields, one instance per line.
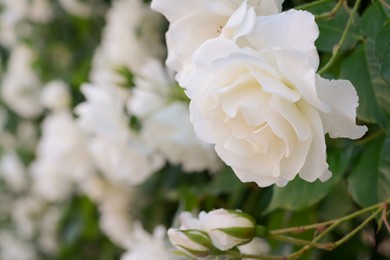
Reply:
x=228 y=228
x=194 y=242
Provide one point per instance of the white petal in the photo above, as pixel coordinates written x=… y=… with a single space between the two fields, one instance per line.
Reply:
x=292 y=114
x=173 y=10
x=240 y=23
x=204 y=57
x=315 y=165
x=288 y=30
x=297 y=73
x=266 y=7
x=343 y=101
x=187 y=34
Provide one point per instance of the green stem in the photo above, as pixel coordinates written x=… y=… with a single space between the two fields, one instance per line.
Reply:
x=357 y=229
x=371 y=137
x=338 y=46
x=298 y=241
x=331 y=246
x=310 y=5
x=301 y=229
x=332 y=12
x=238 y=255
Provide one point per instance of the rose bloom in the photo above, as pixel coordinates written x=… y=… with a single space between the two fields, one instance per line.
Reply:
x=192 y=22
x=259 y=100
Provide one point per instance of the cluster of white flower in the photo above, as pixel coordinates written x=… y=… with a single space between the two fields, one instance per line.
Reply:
x=127 y=156
x=250 y=72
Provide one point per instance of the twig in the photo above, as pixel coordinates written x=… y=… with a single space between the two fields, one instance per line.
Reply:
x=338 y=46
x=332 y=12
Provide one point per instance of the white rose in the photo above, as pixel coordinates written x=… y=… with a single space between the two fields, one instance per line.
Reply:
x=192 y=22
x=264 y=107
x=227 y=228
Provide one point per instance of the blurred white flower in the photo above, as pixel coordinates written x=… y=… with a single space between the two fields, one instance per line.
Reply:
x=118 y=152
x=12 y=247
x=128 y=40
x=26 y=212
x=12 y=171
x=40 y=11
x=193 y=22
x=164 y=120
x=27 y=135
x=264 y=107
x=147 y=246
x=115 y=220
x=48 y=229
x=257 y=246
x=11 y=15
x=21 y=93
x=55 y=95
x=62 y=157
x=77 y=7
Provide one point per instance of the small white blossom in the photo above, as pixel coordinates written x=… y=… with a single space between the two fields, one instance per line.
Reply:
x=21 y=93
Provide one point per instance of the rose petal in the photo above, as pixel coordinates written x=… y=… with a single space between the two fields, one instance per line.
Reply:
x=315 y=165
x=341 y=96
x=292 y=29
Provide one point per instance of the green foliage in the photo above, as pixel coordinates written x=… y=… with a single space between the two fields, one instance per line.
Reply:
x=382 y=50
x=299 y=194
x=332 y=29
x=81 y=237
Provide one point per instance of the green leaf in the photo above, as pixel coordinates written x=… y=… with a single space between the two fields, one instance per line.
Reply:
x=355 y=68
x=365 y=180
x=362 y=68
x=332 y=29
x=382 y=51
x=384 y=171
x=299 y=194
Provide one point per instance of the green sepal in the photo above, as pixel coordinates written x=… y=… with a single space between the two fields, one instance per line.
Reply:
x=198 y=236
x=241 y=214
x=196 y=253
x=261 y=231
x=246 y=233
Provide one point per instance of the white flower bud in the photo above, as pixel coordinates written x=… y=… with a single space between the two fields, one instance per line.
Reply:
x=228 y=228
x=194 y=242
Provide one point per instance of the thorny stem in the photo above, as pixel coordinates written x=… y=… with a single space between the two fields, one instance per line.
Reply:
x=338 y=46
